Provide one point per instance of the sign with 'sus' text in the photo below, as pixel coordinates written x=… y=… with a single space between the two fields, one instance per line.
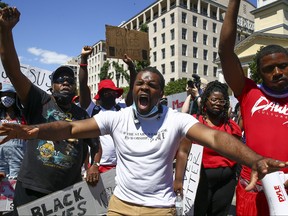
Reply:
x=79 y=199
x=37 y=76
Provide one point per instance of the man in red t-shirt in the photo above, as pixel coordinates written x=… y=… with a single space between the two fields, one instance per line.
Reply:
x=264 y=107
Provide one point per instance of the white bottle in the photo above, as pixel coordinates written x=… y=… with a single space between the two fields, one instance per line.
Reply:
x=275 y=192
x=179 y=204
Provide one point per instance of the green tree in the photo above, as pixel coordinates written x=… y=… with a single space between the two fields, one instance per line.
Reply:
x=139 y=65
x=254 y=75
x=104 y=71
x=3 y=4
x=175 y=87
x=144 y=27
x=119 y=69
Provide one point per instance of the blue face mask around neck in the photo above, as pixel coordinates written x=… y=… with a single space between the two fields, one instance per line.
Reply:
x=152 y=112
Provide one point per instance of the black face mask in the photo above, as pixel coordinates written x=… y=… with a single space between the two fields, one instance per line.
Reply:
x=108 y=102
x=63 y=98
x=213 y=113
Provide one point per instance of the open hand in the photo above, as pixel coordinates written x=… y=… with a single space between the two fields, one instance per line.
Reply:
x=261 y=167
x=18 y=131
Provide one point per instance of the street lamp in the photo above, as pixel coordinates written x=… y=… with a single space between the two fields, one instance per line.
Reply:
x=117 y=78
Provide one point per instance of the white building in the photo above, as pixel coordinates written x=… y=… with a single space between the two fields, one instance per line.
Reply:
x=183 y=37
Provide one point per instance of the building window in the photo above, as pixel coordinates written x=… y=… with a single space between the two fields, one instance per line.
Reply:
x=172 y=65
x=205 y=70
x=163 y=53
x=215 y=72
x=163 y=68
x=195 y=36
x=184 y=34
x=163 y=23
x=195 y=68
x=163 y=38
x=204 y=11
x=205 y=54
x=214 y=28
x=195 y=8
x=214 y=42
x=155 y=27
x=155 y=41
x=155 y=56
x=195 y=52
x=172 y=33
x=172 y=48
x=184 y=66
x=205 y=24
x=172 y=16
x=215 y=55
x=184 y=17
x=205 y=37
x=184 y=50
x=195 y=19
x=214 y=14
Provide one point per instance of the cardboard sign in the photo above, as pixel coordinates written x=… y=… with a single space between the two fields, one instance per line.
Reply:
x=37 y=76
x=79 y=199
x=7 y=188
x=191 y=178
x=120 y=41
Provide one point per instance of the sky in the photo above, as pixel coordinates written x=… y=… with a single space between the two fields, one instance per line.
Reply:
x=50 y=33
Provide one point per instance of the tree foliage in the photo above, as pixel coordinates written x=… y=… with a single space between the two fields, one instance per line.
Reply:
x=175 y=87
x=121 y=71
x=104 y=74
x=254 y=75
x=3 y=4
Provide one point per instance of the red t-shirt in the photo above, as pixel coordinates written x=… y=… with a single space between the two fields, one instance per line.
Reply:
x=265 y=119
x=211 y=159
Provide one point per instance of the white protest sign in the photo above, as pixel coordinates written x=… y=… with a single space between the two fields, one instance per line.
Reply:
x=37 y=76
x=191 y=178
x=7 y=194
x=79 y=199
x=176 y=101
x=103 y=191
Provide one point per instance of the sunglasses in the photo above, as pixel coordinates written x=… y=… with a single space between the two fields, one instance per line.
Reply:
x=61 y=80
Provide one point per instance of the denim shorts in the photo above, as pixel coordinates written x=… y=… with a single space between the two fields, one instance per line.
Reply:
x=11 y=156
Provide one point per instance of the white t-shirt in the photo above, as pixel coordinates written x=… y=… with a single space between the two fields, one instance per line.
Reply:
x=145 y=150
x=108 y=149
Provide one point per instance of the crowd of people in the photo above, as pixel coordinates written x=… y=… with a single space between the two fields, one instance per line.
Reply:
x=142 y=139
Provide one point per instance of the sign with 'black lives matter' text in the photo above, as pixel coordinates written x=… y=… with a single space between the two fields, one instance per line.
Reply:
x=79 y=199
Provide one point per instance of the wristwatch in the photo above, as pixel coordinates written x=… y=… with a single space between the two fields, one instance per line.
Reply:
x=96 y=164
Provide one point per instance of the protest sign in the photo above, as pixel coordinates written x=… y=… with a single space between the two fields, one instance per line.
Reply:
x=79 y=199
x=37 y=76
x=191 y=178
x=176 y=101
x=120 y=41
x=7 y=194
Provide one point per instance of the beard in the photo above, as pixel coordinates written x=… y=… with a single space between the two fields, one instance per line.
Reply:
x=64 y=98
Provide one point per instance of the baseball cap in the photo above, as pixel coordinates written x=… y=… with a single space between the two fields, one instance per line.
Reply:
x=107 y=84
x=61 y=70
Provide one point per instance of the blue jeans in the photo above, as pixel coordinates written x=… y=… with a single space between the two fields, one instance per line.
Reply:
x=11 y=156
